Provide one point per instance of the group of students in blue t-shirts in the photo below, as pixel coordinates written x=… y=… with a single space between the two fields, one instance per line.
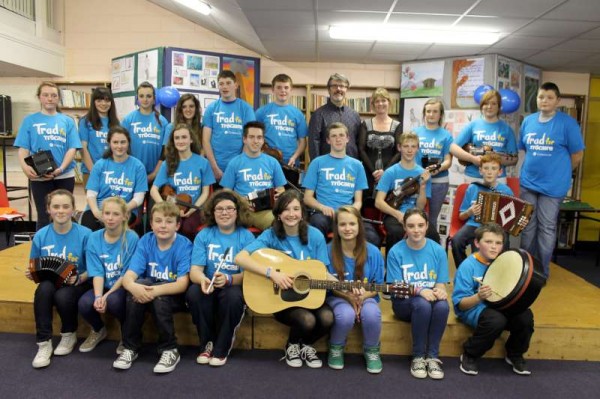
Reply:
x=173 y=267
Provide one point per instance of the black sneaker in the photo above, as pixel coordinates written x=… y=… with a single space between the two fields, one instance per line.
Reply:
x=292 y=355
x=468 y=364
x=519 y=365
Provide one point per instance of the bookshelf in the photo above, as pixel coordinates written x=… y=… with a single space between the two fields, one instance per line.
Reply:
x=314 y=96
x=75 y=100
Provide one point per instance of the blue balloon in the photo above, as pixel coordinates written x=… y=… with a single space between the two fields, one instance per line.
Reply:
x=510 y=101
x=480 y=91
x=167 y=96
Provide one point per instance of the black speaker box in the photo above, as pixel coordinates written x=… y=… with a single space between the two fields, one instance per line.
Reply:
x=5 y=115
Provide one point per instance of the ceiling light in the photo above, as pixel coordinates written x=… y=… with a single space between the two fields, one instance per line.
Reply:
x=197 y=5
x=406 y=34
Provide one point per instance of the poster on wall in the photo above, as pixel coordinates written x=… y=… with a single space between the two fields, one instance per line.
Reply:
x=532 y=83
x=124 y=106
x=422 y=79
x=122 y=75
x=147 y=67
x=194 y=71
x=455 y=121
x=245 y=71
x=413 y=113
x=509 y=74
x=467 y=75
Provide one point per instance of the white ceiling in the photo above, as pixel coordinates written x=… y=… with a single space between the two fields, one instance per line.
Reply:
x=557 y=35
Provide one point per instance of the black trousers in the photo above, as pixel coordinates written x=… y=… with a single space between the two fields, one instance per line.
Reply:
x=39 y=191
x=489 y=327
x=217 y=316
x=162 y=309
x=65 y=299
x=306 y=325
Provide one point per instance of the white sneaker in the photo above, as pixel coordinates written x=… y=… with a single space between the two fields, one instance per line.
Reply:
x=125 y=359
x=292 y=355
x=418 y=367
x=92 y=340
x=120 y=348
x=168 y=361
x=66 y=344
x=43 y=355
x=434 y=368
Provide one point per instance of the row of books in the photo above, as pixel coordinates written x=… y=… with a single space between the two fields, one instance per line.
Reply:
x=297 y=101
x=359 y=104
x=75 y=99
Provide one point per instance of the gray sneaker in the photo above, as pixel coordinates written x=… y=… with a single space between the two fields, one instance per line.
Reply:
x=168 y=361
x=92 y=340
x=125 y=359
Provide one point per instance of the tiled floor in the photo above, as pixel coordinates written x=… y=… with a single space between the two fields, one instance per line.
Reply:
x=15 y=177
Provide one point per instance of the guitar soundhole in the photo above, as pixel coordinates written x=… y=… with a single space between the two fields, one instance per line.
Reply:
x=302 y=284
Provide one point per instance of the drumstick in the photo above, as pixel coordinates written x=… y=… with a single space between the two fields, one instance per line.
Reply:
x=480 y=281
x=212 y=281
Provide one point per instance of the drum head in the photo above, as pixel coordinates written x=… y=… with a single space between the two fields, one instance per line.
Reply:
x=503 y=275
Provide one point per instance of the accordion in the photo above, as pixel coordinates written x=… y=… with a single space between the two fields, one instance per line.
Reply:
x=409 y=186
x=511 y=213
x=52 y=268
x=42 y=162
x=262 y=200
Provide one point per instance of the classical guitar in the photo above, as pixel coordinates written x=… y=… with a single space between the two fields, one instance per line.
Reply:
x=309 y=288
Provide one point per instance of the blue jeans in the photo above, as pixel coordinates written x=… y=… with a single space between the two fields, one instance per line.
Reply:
x=115 y=305
x=345 y=317
x=438 y=195
x=539 y=237
x=428 y=322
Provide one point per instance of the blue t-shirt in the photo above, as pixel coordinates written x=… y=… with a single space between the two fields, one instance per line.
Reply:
x=373 y=270
x=434 y=144
x=117 y=179
x=465 y=286
x=210 y=246
x=394 y=176
x=109 y=261
x=227 y=120
x=291 y=245
x=57 y=133
x=498 y=135
x=422 y=268
x=151 y=262
x=285 y=125
x=335 y=180
x=245 y=175
x=147 y=136
x=548 y=148
x=69 y=246
x=471 y=197
x=95 y=139
x=190 y=177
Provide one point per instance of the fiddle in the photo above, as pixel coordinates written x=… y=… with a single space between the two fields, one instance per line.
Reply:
x=278 y=155
x=409 y=186
x=481 y=151
x=184 y=201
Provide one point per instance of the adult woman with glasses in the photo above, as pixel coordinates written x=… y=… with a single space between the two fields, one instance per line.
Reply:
x=215 y=297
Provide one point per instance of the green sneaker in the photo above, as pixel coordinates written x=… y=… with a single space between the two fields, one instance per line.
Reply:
x=373 y=359
x=335 y=357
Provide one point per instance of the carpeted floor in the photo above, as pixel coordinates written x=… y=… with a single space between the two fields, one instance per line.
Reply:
x=259 y=374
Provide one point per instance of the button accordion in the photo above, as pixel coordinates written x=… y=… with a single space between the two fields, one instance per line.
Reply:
x=42 y=162
x=262 y=200
x=52 y=268
x=511 y=213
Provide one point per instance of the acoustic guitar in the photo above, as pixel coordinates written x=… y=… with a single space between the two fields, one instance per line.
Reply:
x=309 y=288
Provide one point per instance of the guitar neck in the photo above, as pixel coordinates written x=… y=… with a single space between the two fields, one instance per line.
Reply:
x=348 y=285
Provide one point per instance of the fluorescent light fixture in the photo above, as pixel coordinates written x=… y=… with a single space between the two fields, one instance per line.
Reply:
x=406 y=34
x=197 y=5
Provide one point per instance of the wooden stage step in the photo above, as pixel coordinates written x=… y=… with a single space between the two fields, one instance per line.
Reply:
x=567 y=325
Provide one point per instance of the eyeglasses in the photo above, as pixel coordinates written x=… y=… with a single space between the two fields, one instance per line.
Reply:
x=338 y=86
x=229 y=209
